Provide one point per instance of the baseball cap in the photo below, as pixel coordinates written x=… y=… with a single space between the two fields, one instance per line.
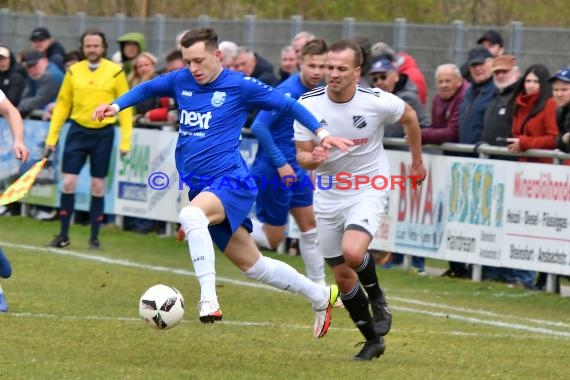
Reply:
x=504 y=62
x=478 y=55
x=4 y=52
x=561 y=75
x=31 y=57
x=381 y=65
x=40 y=34
x=492 y=36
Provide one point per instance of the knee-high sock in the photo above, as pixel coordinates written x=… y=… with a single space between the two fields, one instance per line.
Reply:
x=195 y=225
x=356 y=303
x=282 y=276
x=96 y=215
x=366 y=272
x=66 y=208
x=313 y=260
x=5 y=267
x=258 y=234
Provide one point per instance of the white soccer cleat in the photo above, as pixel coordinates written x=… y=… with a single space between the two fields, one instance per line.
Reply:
x=209 y=311
x=323 y=316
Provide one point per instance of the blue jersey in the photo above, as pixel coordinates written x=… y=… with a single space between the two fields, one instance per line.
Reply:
x=280 y=148
x=211 y=117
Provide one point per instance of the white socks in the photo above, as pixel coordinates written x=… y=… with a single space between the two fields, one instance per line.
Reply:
x=314 y=261
x=259 y=235
x=282 y=276
x=195 y=225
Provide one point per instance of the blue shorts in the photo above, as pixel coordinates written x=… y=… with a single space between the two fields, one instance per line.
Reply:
x=81 y=142
x=237 y=198
x=274 y=199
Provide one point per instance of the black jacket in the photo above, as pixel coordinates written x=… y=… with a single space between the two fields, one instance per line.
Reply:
x=13 y=82
x=563 y=121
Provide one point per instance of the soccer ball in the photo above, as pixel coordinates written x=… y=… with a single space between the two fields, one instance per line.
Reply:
x=161 y=307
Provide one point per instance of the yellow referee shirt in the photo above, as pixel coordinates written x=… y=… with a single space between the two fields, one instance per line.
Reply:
x=82 y=91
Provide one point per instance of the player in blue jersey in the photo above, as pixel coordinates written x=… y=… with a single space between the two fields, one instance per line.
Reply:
x=276 y=159
x=213 y=105
x=12 y=116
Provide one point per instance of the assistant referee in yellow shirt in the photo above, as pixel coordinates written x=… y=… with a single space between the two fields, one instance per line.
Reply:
x=87 y=84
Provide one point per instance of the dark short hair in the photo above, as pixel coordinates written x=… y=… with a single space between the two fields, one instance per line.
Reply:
x=206 y=35
x=73 y=55
x=314 y=47
x=341 y=45
x=174 y=55
x=94 y=32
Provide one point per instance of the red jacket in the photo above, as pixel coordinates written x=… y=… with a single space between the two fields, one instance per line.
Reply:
x=407 y=65
x=540 y=131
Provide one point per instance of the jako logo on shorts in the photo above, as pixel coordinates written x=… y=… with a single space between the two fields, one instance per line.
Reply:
x=192 y=119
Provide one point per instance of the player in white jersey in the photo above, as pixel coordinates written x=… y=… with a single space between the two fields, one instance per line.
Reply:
x=348 y=210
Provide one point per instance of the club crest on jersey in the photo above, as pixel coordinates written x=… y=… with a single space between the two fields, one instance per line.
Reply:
x=218 y=98
x=358 y=122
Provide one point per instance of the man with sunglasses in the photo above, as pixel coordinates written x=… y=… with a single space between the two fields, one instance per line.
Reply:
x=385 y=76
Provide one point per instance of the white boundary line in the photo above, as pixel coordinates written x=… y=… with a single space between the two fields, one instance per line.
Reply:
x=489 y=322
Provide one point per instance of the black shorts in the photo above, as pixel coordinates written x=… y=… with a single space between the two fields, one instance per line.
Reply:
x=81 y=142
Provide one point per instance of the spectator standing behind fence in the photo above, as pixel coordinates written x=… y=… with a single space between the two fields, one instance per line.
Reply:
x=534 y=110
x=143 y=69
x=477 y=99
x=276 y=161
x=493 y=42
x=44 y=81
x=299 y=40
x=87 y=84
x=499 y=116
x=287 y=63
x=405 y=63
x=12 y=76
x=43 y=42
x=255 y=66
x=385 y=75
x=445 y=113
x=498 y=125
x=229 y=51
x=561 y=93
x=166 y=111
x=130 y=46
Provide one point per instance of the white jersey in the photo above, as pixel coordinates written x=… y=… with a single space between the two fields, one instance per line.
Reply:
x=361 y=120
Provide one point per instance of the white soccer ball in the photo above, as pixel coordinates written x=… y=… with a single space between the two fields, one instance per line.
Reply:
x=161 y=306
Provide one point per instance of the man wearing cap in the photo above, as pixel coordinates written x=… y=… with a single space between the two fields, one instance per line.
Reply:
x=43 y=83
x=44 y=43
x=472 y=117
x=478 y=96
x=384 y=75
x=12 y=76
x=493 y=42
x=498 y=116
x=561 y=94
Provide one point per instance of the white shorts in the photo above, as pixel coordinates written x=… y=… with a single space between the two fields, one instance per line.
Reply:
x=333 y=213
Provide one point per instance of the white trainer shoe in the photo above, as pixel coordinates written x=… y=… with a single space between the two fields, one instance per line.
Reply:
x=323 y=316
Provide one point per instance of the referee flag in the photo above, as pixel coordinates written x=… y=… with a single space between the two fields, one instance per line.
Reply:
x=20 y=188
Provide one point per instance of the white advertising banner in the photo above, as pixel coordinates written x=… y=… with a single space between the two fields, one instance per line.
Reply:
x=537 y=211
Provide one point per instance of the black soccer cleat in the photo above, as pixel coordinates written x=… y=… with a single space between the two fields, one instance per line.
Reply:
x=94 y=244
x=59 y=242
x=370 y=350
x=381 y=316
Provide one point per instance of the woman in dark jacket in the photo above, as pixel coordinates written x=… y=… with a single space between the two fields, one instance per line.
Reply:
x=13 y=76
